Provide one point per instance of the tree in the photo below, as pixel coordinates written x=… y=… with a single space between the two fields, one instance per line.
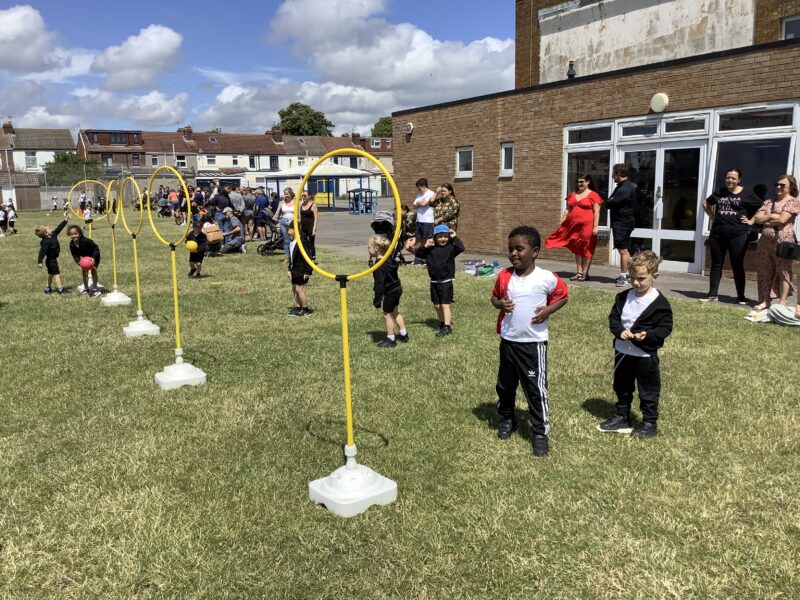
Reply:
x=69 y=168
x=301 y=119
x=382 y=128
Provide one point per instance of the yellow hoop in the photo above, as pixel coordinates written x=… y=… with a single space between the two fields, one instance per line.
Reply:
x=122 y=205
x=398 y=214
x=110 y=204
x=69 y=196
x=150 y=212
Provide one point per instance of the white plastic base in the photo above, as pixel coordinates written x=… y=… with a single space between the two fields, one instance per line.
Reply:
x=115 y=298
x=100 y=286
x=140 y=327
x=352 y=489
x=180 y=374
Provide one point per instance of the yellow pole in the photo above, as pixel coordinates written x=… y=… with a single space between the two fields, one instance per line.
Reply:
x=175 y=299
x=136 y=274
x=348 y=402
x=114 y=254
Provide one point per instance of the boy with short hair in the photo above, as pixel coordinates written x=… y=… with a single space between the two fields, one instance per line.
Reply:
x=526 y=296
x=388 y=290
x=299 y=273
x=49 y=250
x=440 y=253
x=641 y=319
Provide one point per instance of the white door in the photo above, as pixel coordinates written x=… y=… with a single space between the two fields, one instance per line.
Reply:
x=670 y=182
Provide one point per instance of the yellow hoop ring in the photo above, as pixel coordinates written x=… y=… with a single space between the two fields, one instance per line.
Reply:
x=69 y=196
x=122 y=205
x=111 y=204
x=398 y=214
x=150 y=211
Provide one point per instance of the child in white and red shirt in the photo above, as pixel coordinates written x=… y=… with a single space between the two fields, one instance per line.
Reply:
x=526 y=295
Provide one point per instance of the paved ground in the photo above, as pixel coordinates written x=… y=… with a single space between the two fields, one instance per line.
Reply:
x=347 y=234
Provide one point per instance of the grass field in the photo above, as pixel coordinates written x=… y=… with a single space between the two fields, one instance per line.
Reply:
x=111 y=488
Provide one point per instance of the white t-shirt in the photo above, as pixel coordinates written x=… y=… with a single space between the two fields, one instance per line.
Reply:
x=425 y=213
x=633 y=309
x=528 y=293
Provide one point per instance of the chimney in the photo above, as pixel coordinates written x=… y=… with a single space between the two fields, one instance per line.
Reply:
x=356 y=137
x=277 y=135
x=8 y=128
x=187 y=132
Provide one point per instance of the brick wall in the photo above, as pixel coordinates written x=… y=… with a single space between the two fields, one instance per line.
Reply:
x=768 y=18
x=534 y=120
x=526 y=65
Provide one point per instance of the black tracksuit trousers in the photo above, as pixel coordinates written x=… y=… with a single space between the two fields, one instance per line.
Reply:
x=718 y=247
x=523 y=363
x=631 y=371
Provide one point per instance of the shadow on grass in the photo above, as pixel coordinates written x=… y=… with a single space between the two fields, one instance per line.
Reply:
x=377 y=336
x=566 y=275
x=334 y=433
x=488 y=412
x=599 y=407
x=695 y=295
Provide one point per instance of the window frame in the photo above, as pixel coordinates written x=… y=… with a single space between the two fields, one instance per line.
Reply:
x=180 y=161
x=31 y=164
x=784 y=22
x=135 y=159
x=252 y=162
x=211 y=160
x=505 y=171
x=95 y=137
x=353 y=162
x=117 y=135
x=154 y=160
x=719 y=113
x=107 y=159
x=235 y=160
x=375 y=144
x=274 y=164
x=465 y=174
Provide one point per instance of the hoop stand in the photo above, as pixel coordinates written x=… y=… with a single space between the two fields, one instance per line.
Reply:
x=180 y=374
x=141 y=326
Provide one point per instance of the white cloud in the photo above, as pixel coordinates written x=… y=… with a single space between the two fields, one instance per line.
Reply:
x=65 y=65
x=140 y=59
x=40 y=116
x=367 y=66
x=25 y=42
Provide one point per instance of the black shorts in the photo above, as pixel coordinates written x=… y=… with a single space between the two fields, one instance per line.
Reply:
x=442 y=293
x=299 y=280
x=196 y=257
x=52 y=266
x=391 y=301
x=622 y=234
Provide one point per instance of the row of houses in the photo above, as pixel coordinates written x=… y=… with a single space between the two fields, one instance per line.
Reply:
x=273 y=159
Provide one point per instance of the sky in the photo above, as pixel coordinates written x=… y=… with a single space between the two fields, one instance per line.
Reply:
x=159 y=65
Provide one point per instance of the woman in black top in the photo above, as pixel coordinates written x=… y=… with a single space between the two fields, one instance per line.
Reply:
x=308 y=224
x=728 y=233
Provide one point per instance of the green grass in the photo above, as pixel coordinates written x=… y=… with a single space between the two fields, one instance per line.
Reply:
x=111 y=488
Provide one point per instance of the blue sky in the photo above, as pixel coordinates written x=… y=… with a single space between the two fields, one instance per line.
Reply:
x=155 y=65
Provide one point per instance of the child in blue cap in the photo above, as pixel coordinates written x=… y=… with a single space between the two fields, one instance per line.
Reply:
x=440 y=252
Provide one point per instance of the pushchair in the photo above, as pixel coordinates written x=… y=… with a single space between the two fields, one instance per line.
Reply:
x=383 y=224
x=274 y=239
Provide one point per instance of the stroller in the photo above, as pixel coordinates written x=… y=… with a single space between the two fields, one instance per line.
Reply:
x=274 y=239
x=383 y=224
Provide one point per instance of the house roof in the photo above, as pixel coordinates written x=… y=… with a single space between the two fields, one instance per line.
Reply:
x=337 y=143
x=324 y=170
x=236 y=143
x=43 y=139
x=301 y=145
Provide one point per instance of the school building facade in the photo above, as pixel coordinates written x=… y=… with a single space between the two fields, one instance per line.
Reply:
x=679 y=121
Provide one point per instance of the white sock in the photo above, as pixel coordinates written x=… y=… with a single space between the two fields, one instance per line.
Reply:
x=403 y=332
x=391 y=337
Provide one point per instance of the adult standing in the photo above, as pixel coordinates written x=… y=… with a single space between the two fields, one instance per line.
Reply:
x=219 y=203
x=285 y=215
x=237 y=201
x=620 y=207
x=728 y=232
x=777 y=218
x=248 y=212
x=446 y=207
x=425 y=216
x=578 y=229
x=308 y=223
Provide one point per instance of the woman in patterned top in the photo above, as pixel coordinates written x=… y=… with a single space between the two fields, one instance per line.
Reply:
x=446 y=207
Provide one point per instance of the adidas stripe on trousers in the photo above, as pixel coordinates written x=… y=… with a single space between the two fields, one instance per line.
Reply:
x=525 y=364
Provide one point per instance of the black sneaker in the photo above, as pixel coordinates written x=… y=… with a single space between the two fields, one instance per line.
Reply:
x=386 y=343
x=541 y=446
x=646 y=429
x=304 y=312
x=60 y=290
x=506 y=428
x=403 y=338
x=94 y=293
x=621 y=281
x=709 y=298
x=48 y=290
x=743 y=301
x=191 y=272
x=295 y=312
x=616 y=424
x=444 y=330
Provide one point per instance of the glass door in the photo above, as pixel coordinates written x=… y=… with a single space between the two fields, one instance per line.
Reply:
x=668 y=214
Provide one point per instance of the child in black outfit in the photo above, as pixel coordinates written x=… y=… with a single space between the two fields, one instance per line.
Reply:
x=196 y=258
x=388 y=290
x=49 y=249
x=440 y=252
x=641 y=319
x=299 y=272
x=79 y=247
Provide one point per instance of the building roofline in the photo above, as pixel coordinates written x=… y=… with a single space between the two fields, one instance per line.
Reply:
x=605 y=75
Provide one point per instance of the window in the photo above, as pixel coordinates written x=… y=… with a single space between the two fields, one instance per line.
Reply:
x=375 y=144
x=180 y=161
x=107 y=160
x=464 y=161
x=136 y=139
x=637 y=129
x=235 y=161
x=681 y=125
x=791 y=28
x=30 y=160
x=335 y=160
x=273 y=163
x=134 y=160
x=212 y=139
x=118 y=138
x=211 y=160
x=353 y=162
x=301 y=161
x=154 y=161
x=388 y=144
x=507 y=159
x=95 y=138
x=755 y=119
x=251 y=160
x=591 y=134
x=761 y=162
x=596 y=164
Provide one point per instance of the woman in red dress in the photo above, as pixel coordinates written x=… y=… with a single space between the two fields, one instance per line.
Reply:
x=578 y=229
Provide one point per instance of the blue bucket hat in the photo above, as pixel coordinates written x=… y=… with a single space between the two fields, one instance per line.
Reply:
x=441 y=229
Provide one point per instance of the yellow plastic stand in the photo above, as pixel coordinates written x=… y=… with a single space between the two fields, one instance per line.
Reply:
x=352 y=488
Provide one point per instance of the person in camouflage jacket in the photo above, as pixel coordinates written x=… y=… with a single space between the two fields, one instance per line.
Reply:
x=446 y=207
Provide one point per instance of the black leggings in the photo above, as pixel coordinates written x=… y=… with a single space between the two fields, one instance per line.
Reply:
x=719 y=246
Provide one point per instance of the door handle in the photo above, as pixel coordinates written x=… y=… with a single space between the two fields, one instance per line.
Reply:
x=659 y=204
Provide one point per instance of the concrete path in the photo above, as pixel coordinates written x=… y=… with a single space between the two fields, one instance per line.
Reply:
x=347 y=235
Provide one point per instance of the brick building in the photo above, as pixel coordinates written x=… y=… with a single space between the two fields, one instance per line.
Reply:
x=733 y=100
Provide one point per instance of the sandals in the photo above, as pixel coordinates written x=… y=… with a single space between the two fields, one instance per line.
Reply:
x=761 y=306
x=579 y=277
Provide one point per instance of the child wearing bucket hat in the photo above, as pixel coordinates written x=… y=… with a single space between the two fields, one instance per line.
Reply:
x=440 y=252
